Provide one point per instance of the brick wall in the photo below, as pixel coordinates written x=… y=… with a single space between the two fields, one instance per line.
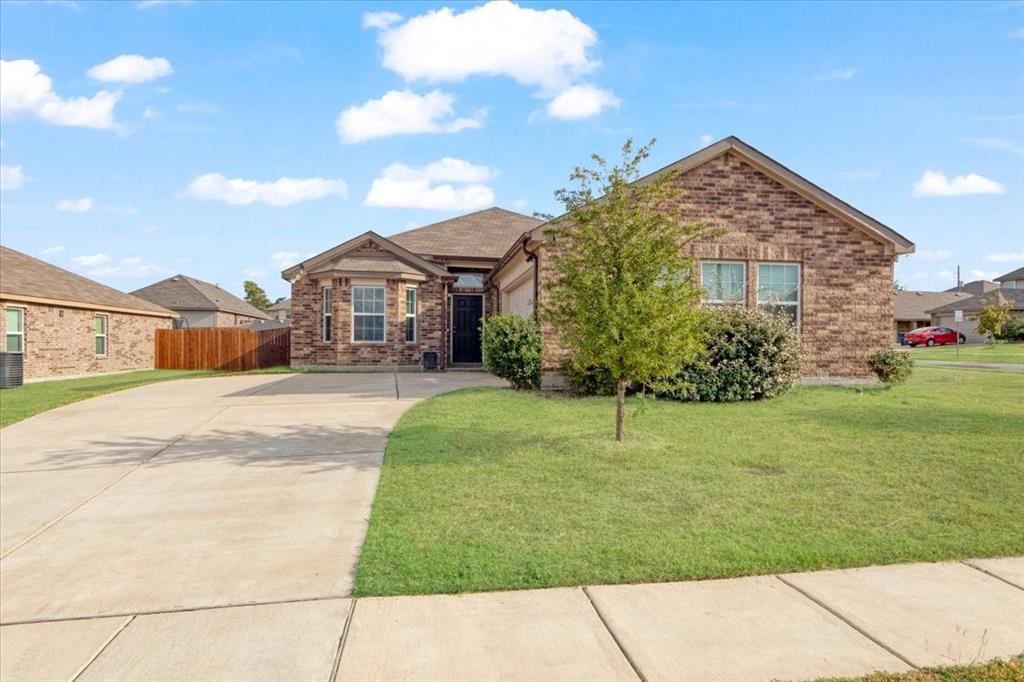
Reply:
x=61 y=341
x=846 y=275
x=234 y=319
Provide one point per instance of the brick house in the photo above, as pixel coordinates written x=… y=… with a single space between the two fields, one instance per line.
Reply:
x=787 y=245
x=199 y=303
x=66 y=325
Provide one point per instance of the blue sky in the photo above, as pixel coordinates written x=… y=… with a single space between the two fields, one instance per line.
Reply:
x=227 y=140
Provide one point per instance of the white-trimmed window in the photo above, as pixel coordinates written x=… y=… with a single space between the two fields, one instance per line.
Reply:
x=100 y=328
x=15 y=328
x=368 y=314
x=327 y=316
x=778 y=289
x=411 y=302
x=724 y=281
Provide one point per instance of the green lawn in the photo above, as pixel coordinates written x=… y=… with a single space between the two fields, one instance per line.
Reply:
x=489 y=489
x=993 y=671
x=25 y=401
x=973 y=352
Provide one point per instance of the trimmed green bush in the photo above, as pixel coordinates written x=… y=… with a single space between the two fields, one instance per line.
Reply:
x=892 y=367
x=749 y=355
x=511 y=348
x=588 y=380
x=1012 y=330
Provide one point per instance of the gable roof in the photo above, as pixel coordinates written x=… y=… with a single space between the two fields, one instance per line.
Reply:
x=914 y=305
x=182 y=292
x=30 y=279
x=482 y=234
x=321 y=261
x=1015 y=297
x=793 y=181
x=283 y=304
x=1010 y=276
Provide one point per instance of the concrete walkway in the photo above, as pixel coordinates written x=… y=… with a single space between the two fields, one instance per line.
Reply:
x=967 y=364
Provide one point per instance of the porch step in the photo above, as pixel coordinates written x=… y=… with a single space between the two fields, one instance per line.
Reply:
x=465 y=367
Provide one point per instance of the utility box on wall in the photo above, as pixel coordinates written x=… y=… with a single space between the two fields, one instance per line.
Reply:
x=430 y=361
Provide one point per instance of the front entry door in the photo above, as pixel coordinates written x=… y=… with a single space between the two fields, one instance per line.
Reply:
x=466 y=314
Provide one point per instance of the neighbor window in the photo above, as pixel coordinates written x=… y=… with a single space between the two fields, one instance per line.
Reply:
x=100 y=326
x=15 y=319
x=778 y=289
x=724 y=282
x=367 y=313
x=410 y=314
x=327 y=313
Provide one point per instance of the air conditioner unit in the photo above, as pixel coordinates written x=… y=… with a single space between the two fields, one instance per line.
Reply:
x=12 y=369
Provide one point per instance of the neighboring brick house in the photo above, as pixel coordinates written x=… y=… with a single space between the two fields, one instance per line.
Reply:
x=377 y=302
x=945 y=315
x=1012 y=280
x=67 y=325
x=910 y=308
x=281 y=310
x=199 y=303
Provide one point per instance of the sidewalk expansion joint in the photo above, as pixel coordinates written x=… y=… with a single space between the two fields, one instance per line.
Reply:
x=615 y=638
x=102 y=648
x=967 y=562
x=850 y=623
x=398 y=394
x=341 y=640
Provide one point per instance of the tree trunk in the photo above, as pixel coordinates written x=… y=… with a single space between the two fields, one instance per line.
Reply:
x=620 y=408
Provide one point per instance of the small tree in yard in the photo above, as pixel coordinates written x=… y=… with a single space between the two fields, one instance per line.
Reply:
x=992 y=320
x=255 y=296
x=623 y=298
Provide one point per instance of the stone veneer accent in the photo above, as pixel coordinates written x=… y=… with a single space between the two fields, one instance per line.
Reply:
x=60 y=341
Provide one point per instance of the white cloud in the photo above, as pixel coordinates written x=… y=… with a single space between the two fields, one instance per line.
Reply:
x=380 y=19
x=837 y=75
x=151 y=114
x=705 y=140
x=860 y=174
x=932 y=254
x=52 y=250
x=520 y=204
x=983 y=274
x=281 y=192
x=997 y=143
x=130 y=267
x=1013 y=258
x=582 y=101
x=547 y=48
x=936 y=184
x=401 y=112
x=91 y=261
x=11 y=177
x=131 y=68
x=25 y=89
x=284 y=259
x=82 y=205
x=401 y=186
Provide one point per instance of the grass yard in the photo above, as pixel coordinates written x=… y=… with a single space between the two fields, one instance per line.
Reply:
x=973 y=352
x=489 y=489
x=993 y=671
x=25 y=401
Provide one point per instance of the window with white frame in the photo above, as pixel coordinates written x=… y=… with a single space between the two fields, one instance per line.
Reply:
x=368 y=314
x=100 y=329
x=410 y=314
x=724 y=281
x=15 y=321
x=327 y=317
x=778 y=289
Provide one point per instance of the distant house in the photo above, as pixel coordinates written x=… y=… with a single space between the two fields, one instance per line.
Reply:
x=282 y=310
x=944 y=315
x=66 y=325
x=1012 y=280
x=910 y=308
x=199 y=303
x=978 y=286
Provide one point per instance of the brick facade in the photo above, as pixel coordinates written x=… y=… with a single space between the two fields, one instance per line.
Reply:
x=846 y=275
x=60 y=341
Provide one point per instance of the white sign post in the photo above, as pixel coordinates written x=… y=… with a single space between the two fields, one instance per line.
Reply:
x=958 y=317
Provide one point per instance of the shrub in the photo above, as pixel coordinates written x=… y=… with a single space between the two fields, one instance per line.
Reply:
x=1013 y=330
x=892 y=367
x=749 y=355
x=511 y=348
x=993 y=319
x=588 y=379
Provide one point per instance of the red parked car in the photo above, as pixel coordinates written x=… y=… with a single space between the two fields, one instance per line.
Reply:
x=932 y=336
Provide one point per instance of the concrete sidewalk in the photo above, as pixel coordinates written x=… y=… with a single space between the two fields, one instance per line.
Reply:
x=970 y=364
x=795 y=626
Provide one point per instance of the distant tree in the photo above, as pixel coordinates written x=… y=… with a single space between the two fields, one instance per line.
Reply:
x=897 y=287
x=255 y=296
x=623 y=298
x=993 y=318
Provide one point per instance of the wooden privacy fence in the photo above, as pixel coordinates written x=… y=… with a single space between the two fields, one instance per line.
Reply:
x=222 y=348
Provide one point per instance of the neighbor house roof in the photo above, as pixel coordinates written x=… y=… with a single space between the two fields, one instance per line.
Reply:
x=1015 y=297
x=29 y=279
x=795 y=182
x=283 y=304
x=914 y=305
x=483 y=234
x=1010 y=276
x=977 y=286
x=182 y=292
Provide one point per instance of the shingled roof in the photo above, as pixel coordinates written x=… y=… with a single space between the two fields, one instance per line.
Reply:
x=483 y=234
x=914 y=305
x=1015 y=297
x=27 y=278
x=1010 y=276
x=182 y=292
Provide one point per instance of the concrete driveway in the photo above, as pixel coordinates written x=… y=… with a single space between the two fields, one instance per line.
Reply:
x=151 y=510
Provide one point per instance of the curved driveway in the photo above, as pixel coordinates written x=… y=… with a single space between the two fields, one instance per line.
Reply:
x=191 y=495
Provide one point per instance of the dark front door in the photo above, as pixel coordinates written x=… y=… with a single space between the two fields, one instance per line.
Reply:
x=466 y=314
